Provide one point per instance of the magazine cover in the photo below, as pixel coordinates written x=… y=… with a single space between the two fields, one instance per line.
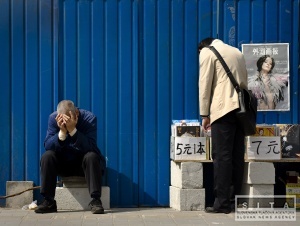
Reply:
x=290 y=140
x=265 y=130
x=268 y=74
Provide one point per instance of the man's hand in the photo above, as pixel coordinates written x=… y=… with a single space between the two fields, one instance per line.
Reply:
x=70 y=122
x=61 y=123
x=206 y=123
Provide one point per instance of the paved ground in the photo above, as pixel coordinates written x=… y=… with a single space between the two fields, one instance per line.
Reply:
x=132 y=216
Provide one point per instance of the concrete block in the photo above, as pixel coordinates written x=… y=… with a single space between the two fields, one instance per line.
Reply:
x=259 y=173
x=187 y=199
x=258 y=190
x=187 y=175
x=75 y=198
x=13 y=187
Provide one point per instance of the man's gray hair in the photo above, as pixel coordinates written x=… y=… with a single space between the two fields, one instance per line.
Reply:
x=65 y=106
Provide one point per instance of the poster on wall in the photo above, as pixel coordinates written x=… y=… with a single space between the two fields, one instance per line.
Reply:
x=268 y=74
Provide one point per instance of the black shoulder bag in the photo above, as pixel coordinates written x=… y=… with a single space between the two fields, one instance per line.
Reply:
x=246 y=114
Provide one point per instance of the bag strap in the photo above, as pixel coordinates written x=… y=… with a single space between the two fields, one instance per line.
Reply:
x=228 y=72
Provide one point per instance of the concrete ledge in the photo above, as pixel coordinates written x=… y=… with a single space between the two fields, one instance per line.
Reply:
x=74 y=182
x=13 y=187
x=259 y=173
x=75 y=198
x=187 y=199
x=187 y=175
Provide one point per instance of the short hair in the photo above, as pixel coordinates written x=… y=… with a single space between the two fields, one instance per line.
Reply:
x=65 y=106
x=261 y=60
x=205 y=43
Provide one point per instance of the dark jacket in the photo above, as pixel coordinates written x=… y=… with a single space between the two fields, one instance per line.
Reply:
x=84 y=140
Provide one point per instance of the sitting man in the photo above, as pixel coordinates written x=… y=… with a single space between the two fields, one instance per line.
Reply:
x=71 y=150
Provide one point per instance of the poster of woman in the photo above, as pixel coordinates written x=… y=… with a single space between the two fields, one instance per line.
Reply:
x=268 y=74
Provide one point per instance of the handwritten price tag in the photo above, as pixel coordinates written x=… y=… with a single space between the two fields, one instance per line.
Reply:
x=189 y=148
x=264 y=148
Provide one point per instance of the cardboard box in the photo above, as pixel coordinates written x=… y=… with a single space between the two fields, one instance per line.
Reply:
x=263 y=148
x=265 y=130
x=290 y=140
x=189 y=148
x=294 y=189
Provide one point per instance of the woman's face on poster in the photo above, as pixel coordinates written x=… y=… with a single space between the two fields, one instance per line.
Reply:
x=267 y=64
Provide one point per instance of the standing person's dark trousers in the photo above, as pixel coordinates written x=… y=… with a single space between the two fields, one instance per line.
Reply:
x=228 y=159
x=55 y=164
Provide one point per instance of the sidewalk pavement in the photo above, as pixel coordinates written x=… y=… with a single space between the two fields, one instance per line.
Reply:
x=127 y=216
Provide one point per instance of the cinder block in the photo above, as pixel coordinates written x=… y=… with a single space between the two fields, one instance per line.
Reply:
x=187 y=175
x=75 y=198
x=187 y=199
x=259 y=173
x=13 y=187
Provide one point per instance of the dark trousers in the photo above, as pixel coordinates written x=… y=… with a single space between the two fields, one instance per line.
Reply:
x=62 y=163
x=228 y=148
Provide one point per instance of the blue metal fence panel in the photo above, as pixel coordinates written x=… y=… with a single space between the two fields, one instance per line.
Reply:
x=295 y=62
x=135 y=65
x=26 y=35
x=17 y=90
x=127 y=197
x=31 y=91
x=177 y=59
x=163 y=101
x=147 y=171
x=5 y=97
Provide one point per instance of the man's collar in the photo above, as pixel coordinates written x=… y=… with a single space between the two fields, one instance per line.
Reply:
x=216 y=41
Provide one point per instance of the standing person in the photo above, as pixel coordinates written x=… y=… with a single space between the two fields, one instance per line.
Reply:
x=267 y=87
x=71 y=150
x=218 y=102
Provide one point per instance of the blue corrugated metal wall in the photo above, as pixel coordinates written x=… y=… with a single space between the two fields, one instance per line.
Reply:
x=134 y=64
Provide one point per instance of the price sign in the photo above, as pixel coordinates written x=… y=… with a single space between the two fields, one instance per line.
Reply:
x=264 y=148
x=189 y=148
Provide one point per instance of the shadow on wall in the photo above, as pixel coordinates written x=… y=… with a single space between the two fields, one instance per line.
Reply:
x=124 y=192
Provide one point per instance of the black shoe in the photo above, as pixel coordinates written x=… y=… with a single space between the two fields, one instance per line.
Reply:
x=213 y=210
x=47 y=207
x=96 y=206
